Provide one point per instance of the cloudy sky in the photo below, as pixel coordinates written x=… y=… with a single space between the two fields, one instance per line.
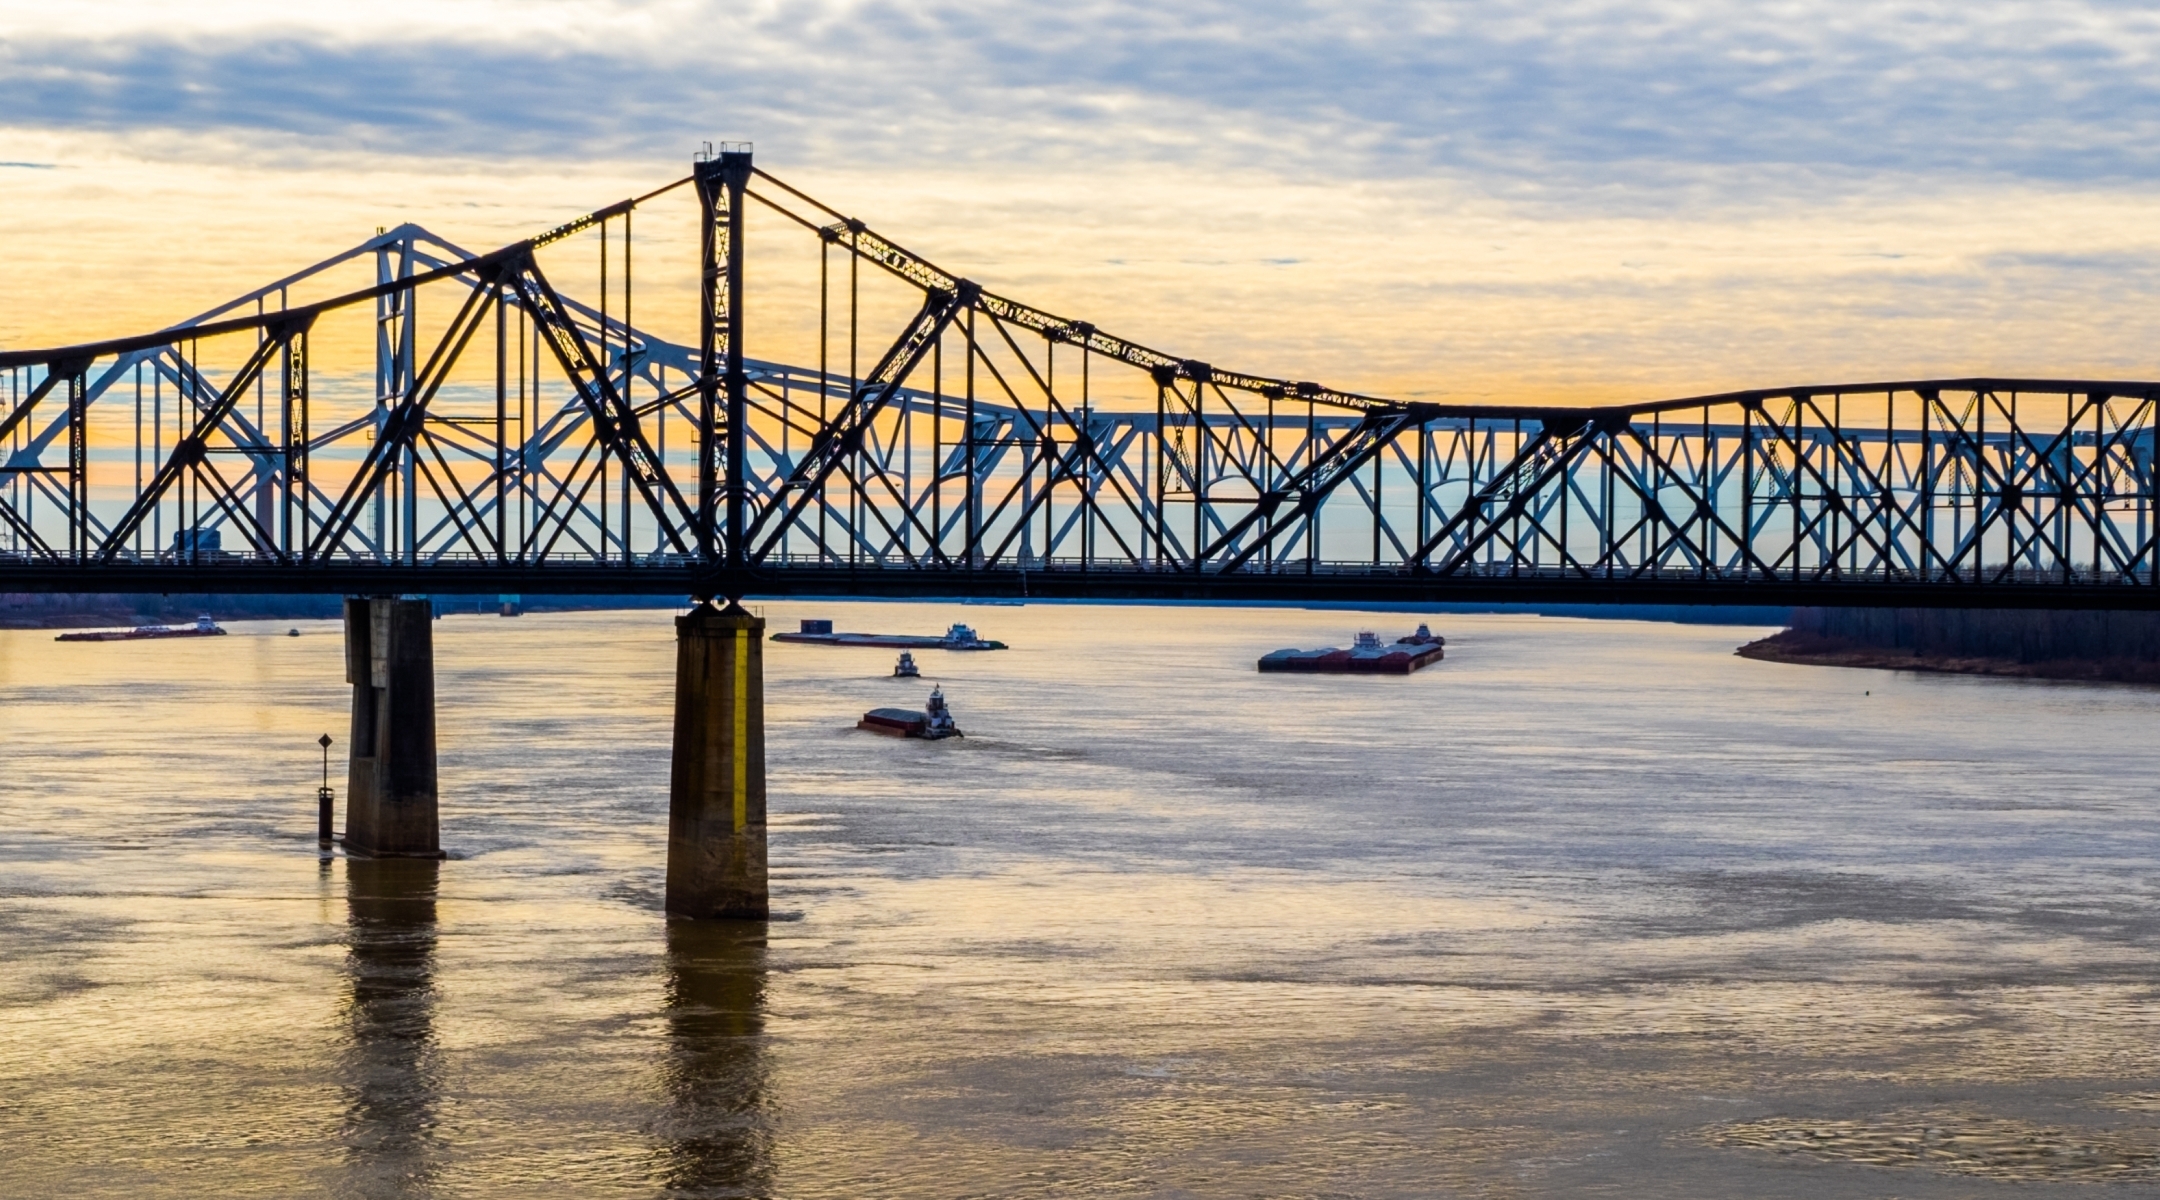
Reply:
x=1533 y=201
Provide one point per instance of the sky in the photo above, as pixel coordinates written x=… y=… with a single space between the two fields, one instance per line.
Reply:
x=1560 y=202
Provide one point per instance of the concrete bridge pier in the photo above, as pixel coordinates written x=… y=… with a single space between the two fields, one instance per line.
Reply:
x=390 y=808
x=716 y=790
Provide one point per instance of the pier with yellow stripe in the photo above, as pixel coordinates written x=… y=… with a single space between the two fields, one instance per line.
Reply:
x=716 y=790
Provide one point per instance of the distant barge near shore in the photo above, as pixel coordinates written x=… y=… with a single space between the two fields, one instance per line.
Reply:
x=1368 y=657
x=820 y=633
x=203 y=627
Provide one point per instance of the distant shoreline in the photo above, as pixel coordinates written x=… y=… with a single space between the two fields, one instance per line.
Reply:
x=185 y=609
x=1806 y=648
x=116 y=610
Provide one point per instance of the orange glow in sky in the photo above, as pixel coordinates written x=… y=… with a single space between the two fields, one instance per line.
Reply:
x=1570 y=202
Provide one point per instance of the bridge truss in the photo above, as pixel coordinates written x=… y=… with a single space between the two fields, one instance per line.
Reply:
x=528 y=441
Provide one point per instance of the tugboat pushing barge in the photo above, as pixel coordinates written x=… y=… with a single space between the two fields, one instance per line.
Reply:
x=819 y=632
x=1367 y=657
x=203 y=627
x=934 y=723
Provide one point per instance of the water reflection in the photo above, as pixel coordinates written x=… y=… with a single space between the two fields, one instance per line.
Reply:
x=391 y=1067
x=1129 y=937
x=716 y=1133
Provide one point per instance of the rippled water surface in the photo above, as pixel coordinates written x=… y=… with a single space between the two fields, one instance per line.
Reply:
x=1589 y=908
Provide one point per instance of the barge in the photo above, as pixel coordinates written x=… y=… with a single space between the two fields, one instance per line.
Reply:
x=820 y=633
x=1368 y=656
x=932 y=724
x=203 y=627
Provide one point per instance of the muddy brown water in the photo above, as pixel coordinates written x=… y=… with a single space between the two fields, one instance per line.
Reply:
x=1589 y=908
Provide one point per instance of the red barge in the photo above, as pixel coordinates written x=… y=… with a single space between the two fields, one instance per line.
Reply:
x=1369 y=656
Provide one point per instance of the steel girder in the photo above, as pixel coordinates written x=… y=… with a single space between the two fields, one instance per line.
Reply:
x=536 y=442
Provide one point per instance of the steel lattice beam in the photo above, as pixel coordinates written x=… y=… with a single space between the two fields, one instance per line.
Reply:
x=537 y=442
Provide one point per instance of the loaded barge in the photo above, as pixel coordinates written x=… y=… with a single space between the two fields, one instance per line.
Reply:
x=203 y=627
x=1367 y=657
x=933 y=724
x=820 y=633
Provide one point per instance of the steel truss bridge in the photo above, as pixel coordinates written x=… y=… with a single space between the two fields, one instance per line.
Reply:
x=527 y=441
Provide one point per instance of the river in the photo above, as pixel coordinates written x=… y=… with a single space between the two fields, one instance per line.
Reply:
x=1591 y=907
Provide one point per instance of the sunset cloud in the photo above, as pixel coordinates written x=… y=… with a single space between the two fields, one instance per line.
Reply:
x=1571 y=93
x=1577 y=199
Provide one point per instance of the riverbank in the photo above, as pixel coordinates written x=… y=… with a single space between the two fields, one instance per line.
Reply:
x=1807 y=647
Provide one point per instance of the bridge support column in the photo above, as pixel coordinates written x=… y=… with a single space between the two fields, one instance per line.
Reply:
x=716 y=790
x=390 y=809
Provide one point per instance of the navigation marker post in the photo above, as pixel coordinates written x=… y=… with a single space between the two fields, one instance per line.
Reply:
x=324 y=798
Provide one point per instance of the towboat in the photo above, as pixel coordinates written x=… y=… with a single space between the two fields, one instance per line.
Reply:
x=906 y=668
